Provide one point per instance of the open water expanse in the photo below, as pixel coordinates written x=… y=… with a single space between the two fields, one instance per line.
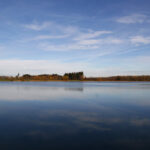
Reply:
x=75 y=115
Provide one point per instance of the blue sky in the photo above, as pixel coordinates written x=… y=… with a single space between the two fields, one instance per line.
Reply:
x=99 y=37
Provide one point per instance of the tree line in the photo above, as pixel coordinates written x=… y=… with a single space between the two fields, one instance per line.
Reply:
x=76 y=76
x=44 y=77
x=120 y=78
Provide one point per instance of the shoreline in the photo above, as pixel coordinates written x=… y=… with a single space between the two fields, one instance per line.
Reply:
x=74 y=77
x=67 y=81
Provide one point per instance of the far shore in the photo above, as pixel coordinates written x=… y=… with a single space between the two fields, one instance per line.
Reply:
x=71 y=81
x=74 y=77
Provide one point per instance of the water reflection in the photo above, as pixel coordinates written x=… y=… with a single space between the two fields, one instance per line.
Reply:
x=74 y=116
x=74 y=89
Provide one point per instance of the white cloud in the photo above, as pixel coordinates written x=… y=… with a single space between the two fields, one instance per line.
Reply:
x=111 y=40
x=140 y=40
x=89 y=44
x=70 y=30
x=45 y=37
x=114 y=41
x=38 y=27
x=75 y=33
x=90 y=35
x=101 y=41
x=53 y=27
x=54 y=31
x=134 y=18
x=76 y=39
x=66 y=47
x=12 y=67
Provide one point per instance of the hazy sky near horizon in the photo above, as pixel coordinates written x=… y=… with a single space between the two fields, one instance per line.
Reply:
x=99 y=37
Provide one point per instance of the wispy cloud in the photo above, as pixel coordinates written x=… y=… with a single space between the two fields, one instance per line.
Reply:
x=91 y=34
x=77 y=39
x=54 y=31
x=37 y=27
x=112 y=40
x=90 y=44
x=101 y=41
x=140 y=40
x=52 y=26
x=45 y=37
x=66 y=47
x=134 y=18
x=78 y=36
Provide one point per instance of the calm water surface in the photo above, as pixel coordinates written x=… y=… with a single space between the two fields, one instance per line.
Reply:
x=74 y=115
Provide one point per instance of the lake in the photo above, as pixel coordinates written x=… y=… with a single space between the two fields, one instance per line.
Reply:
x=75 y=115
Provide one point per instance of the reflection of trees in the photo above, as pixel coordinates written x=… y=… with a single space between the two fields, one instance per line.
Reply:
x=74 y=89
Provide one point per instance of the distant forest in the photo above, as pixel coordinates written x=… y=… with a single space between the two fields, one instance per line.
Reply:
x=74 y=76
